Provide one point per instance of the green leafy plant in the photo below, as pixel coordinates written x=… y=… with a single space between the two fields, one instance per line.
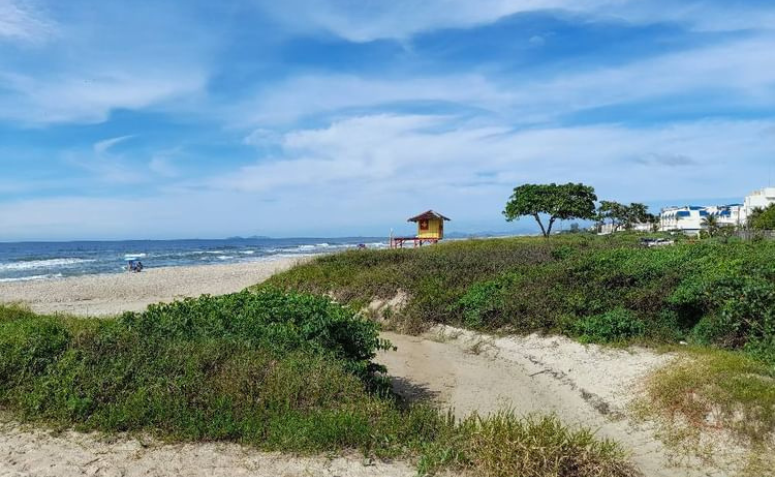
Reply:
x=612 y=326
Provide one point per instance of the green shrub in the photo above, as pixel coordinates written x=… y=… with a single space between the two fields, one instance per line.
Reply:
x=207 y=368
x=275 y=320
x=690 y=290
x=743 y=316
x=281 y=371
x=28 y=346
x=613 y=326
x=482 y=303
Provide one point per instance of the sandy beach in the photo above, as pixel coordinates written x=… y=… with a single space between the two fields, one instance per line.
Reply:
x=105 y=295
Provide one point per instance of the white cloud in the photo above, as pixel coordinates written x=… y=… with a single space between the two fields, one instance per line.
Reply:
x=363 y=175
x=89 y=96
x=362 y=21
x=102 y=147
x=311 y=95
x=106 y=58
x=433 y=155
x=163 y=163
x=738 y=73
x=741 y=72
x=21 y=21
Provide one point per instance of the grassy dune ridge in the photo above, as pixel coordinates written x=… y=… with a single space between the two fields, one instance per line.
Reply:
x=280 y=371
x=716 y=296
x=600 y=289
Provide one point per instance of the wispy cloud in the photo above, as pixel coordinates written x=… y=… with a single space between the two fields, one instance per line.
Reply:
x=103 y=146
x=335 y=109
x=402 y=19
x=106 y=58
x=90 y=96
x=428 y=154
x=740 y=72
x=670 y=160
x=21 y=21
x=311 y=95
x=379 y=168
x=163 y=163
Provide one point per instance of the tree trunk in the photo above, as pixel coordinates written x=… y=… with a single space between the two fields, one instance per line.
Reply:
x=540 y=224
x=549 y=229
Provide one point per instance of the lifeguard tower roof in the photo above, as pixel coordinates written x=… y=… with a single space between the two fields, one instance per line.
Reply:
x=428 y=215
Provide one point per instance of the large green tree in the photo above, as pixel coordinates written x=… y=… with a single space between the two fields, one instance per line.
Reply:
x=622 y=215
x=613 y=211
x=636 y=213
x=555 y=201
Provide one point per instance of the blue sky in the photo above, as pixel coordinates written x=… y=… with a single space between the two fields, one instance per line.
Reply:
x=195 y=118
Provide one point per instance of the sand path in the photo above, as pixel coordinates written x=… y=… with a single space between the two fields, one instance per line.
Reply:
x=583 y=385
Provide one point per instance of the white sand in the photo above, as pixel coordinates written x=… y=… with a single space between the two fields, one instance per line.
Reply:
x=39 y=454
x=582 y=385
x=100 y=295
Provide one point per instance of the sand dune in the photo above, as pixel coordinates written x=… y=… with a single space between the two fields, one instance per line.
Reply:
x=584 y=385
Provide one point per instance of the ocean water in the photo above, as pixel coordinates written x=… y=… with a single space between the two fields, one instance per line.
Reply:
x=52 y=260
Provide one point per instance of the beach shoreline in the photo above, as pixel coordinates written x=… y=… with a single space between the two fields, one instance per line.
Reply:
x=114 y=293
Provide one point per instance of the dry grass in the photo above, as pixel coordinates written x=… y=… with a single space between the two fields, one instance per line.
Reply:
x=504 y=445
x=710 y=398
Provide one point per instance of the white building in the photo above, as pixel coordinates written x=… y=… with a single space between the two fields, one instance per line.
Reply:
x=608 y=228
x=689 y=219
x=728 y=215
x=760 y=199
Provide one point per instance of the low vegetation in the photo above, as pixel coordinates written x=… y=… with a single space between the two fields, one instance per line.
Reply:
x=710 y=388
x=716 y=295
x=280 y=371
x=763 y=219
x=711 y=398
x=601 y=289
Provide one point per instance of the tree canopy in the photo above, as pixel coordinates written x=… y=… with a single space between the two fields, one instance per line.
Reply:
x=563 y=201
x=763 y=219
x=622 y=215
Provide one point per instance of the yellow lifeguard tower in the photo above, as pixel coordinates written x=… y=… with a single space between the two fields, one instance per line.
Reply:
x=430 y=229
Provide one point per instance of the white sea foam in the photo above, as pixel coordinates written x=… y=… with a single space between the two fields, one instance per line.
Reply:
x=37 y=264
x=32 y=278
x=224 y=257
x=248 y=252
